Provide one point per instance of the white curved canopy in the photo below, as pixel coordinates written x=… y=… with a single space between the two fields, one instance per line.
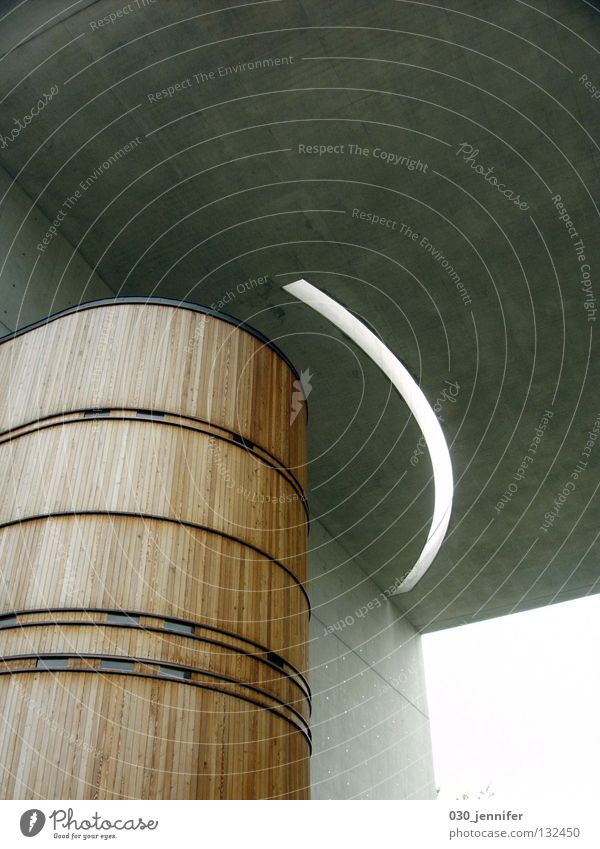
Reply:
x=418 y=405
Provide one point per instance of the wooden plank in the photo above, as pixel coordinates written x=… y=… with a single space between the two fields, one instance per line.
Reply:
x=161 y=520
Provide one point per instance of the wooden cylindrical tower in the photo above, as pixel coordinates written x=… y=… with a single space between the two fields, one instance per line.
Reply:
x=153 y=525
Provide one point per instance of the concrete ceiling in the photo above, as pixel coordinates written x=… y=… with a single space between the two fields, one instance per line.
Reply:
x=220 y=188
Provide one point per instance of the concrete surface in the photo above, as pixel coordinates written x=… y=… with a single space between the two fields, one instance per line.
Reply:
x=370 y=721
x=34 y=284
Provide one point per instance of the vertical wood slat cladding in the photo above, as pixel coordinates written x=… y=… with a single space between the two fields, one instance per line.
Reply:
x=161 y=568
x=141 y=738
x=154 y=469
x=154 y=357
x=99 y=639
x=163 y=522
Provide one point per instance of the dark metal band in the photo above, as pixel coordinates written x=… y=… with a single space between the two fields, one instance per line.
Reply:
x=161 y=302
x=154 y=417
x=303 y=728
x=295 y=673
x=155 y=518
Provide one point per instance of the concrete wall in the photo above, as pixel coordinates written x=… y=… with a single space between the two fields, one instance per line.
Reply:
x=34 y=284
x=370 y=723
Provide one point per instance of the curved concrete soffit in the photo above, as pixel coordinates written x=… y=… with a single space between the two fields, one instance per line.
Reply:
x=381 y=355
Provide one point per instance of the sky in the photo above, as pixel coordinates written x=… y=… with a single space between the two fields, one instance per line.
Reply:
x=515 y=704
